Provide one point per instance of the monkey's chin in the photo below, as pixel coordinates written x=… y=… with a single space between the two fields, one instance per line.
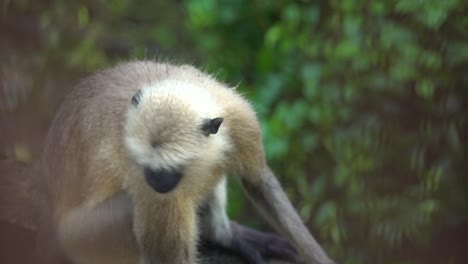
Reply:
x=162 y=181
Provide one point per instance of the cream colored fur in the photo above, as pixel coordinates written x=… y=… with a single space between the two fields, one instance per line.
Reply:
x=100 y=142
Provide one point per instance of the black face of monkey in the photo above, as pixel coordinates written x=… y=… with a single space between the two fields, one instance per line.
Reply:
x=162 y=180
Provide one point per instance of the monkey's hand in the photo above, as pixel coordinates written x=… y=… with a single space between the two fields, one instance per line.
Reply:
x=254 y=245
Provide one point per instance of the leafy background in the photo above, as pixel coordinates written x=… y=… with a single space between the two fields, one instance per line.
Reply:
x=362 y=103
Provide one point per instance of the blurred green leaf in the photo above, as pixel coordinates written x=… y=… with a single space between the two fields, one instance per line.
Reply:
x=83 y=16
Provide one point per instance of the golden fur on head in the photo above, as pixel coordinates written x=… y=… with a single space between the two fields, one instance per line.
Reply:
x=87 y=148
x=163 y=130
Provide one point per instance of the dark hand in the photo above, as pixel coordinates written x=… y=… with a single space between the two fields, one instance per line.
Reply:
x=254 y=245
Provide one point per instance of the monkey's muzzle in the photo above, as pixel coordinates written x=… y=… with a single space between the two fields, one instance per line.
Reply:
x=162 y=180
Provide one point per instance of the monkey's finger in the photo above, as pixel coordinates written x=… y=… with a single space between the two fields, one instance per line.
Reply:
x=275 y=242
x=281 y=242
x=249 y=253
x=281 y=252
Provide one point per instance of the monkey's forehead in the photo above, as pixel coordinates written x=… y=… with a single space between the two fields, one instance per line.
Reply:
x=172 y=93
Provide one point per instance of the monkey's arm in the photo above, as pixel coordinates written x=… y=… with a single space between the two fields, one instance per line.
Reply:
x=268 y=196
x=100 y=234
x=164 y=228
x=247 y=161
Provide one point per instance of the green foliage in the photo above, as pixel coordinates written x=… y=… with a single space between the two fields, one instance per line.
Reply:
x=88 y=35
x=362 y=103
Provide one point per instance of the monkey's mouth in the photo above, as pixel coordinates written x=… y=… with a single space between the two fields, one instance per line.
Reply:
x=162 y=180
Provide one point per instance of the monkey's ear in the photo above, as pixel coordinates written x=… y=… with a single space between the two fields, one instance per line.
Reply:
x=211 y=126
x=136 y=99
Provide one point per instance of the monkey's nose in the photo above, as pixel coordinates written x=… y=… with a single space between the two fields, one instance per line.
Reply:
x=162 y=180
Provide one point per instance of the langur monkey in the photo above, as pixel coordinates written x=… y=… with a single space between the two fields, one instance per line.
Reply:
x=135 y=165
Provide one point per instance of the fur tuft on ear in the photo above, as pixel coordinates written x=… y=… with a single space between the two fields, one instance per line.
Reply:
x=211 y=126
x=136 y=99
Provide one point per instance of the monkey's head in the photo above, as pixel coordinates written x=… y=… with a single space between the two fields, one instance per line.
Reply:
x=173 y=133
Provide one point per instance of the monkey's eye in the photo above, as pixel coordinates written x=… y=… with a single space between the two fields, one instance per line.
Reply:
x=136 y=98
x=211 y=126
x=156 y=144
